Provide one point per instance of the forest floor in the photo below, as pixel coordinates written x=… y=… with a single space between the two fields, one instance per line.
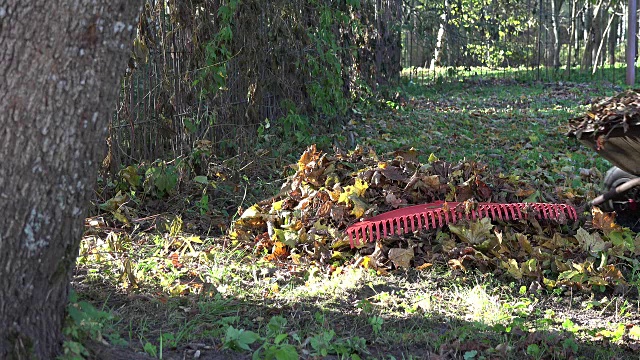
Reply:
x=177 y=275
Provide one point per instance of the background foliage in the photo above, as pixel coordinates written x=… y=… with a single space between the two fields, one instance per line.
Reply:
x=221 y=70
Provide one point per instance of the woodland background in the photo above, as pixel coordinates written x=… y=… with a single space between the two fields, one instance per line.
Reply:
x=233 y=72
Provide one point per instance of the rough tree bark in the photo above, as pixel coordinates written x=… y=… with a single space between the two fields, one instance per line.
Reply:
x=60 y=65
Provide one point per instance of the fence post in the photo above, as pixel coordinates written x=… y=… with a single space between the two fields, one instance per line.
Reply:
x=631 y=43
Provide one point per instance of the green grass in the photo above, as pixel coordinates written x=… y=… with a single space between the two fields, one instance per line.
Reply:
x=448 y=75
x=220 y=298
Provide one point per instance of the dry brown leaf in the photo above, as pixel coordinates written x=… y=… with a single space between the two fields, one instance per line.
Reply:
x=604 y=221
x=401 y=257
x=424 y=266
x=455 y=264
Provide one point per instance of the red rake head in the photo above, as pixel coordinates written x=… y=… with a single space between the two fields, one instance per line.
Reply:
x=437 y=214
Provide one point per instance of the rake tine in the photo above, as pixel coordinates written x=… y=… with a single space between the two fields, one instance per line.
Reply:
x=427 y=216
x=544 y=212
x=440 y=222
x=554 y=212
x=510 y=213
x=494 y=213
x=561 y=213
x=505 y=211
x=516 y=212
x=485 y=209
x=520 y=212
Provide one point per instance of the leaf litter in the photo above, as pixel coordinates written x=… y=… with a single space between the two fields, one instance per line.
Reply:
x=328 y=192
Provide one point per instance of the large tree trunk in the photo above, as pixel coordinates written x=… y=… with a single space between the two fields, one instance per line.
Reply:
x=61 y=61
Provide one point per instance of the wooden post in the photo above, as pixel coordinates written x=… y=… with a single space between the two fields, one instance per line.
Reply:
x=631 y=43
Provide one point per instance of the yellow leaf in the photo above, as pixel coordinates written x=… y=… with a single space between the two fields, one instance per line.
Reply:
x=366 y=262
x=251 y=212
x=359 y=206
x=276 y=206
x=432 y=158
x=344 y=196
x=360 y=187
x=195 y=239
x=549 y=283
x=530 y=268
x=634 y=332
x=512 y=268
x=337 y=271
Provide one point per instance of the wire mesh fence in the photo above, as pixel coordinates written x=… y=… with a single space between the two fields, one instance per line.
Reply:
x=213 y=71
x=542 y=40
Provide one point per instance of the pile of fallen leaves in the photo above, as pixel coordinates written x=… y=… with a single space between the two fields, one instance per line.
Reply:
x=305 y=222
x=619 y=111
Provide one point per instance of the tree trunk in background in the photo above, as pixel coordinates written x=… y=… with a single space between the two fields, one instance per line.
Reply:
x=61 y=63
x=613 y=39
x=599 y=57
x=572 y=36
x=587 y=36
x=594 y=27
x=388 y=16
x=437 y=53
x=556 y=5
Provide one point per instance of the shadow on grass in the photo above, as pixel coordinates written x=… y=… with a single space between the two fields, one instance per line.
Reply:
x=344 y=324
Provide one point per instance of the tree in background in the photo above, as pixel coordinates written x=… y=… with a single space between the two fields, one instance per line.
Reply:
x=61 y=63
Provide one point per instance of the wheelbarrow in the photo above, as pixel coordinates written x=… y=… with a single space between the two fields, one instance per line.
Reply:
x=621 y=146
